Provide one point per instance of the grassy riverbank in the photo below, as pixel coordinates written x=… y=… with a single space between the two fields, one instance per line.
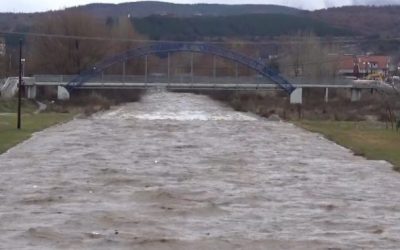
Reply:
x=31 y=123
x=368 y=139
x=10 y=136
x=345 y=122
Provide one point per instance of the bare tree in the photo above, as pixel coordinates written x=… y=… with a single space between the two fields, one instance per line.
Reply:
x=125 y=38
x=65 y=55
x=305 y=56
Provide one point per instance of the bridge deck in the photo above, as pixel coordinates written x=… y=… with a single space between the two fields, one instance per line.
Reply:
x=187 y=82
x=197 y=85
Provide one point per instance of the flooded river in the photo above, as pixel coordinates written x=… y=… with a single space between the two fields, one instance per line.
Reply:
x=180 y=171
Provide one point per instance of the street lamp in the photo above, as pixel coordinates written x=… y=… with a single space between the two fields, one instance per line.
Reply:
x=23 y=60
x=19 y=86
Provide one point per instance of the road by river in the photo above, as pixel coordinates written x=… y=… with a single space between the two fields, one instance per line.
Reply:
x=180 y=171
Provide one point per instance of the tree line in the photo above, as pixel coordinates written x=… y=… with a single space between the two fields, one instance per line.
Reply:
x=251 y=25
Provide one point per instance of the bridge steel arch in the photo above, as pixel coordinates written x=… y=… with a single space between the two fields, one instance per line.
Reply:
x=163 y=48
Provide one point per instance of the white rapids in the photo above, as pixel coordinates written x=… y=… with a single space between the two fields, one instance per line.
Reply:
x=180 y=171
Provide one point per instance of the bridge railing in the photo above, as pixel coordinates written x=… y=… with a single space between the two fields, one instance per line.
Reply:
x=154 y=78
x=184 y=79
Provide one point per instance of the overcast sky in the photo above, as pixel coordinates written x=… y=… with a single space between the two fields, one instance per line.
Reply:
x=42 y=5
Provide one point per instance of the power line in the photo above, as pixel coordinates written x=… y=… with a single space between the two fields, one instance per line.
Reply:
x=74 y=37
x=116 y=39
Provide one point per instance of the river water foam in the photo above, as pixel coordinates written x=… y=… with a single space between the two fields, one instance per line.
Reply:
x=180 y=171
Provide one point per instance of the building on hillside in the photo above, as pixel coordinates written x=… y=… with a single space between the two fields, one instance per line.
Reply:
x=2 y=46
x=374 y=64
x=348 y=65
x=362 y=66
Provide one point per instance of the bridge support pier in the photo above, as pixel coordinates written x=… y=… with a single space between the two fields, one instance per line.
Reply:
x=355 y=95
x=326 y=95
x=296 y=97
x=62 y=93
x=31 y=92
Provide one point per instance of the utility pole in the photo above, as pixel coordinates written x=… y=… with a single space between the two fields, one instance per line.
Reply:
x=145 y=68
x=9 y=73
x=214 y=68
x=191 y=66
x=78 y=58
x=123 y=70
x=169 y=66
x=23 y=66
x=19 y=86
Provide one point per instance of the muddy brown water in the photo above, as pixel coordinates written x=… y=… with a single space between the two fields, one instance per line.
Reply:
x=180 y=171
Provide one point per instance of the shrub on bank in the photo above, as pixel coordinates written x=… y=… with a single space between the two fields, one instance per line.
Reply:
x=373 y=106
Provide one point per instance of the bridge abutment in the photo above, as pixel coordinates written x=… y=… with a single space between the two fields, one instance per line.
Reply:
x=31 y=92
x=355 y=95
x=296 y=97
x=62 y=93
x=326 y=95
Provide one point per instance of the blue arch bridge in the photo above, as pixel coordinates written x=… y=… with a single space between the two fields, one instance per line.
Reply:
x=265 y=77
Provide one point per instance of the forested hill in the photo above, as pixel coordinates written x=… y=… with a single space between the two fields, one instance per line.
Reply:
x=160 y=20
x=367 y=20
x=148 y=8
x=256 y=25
